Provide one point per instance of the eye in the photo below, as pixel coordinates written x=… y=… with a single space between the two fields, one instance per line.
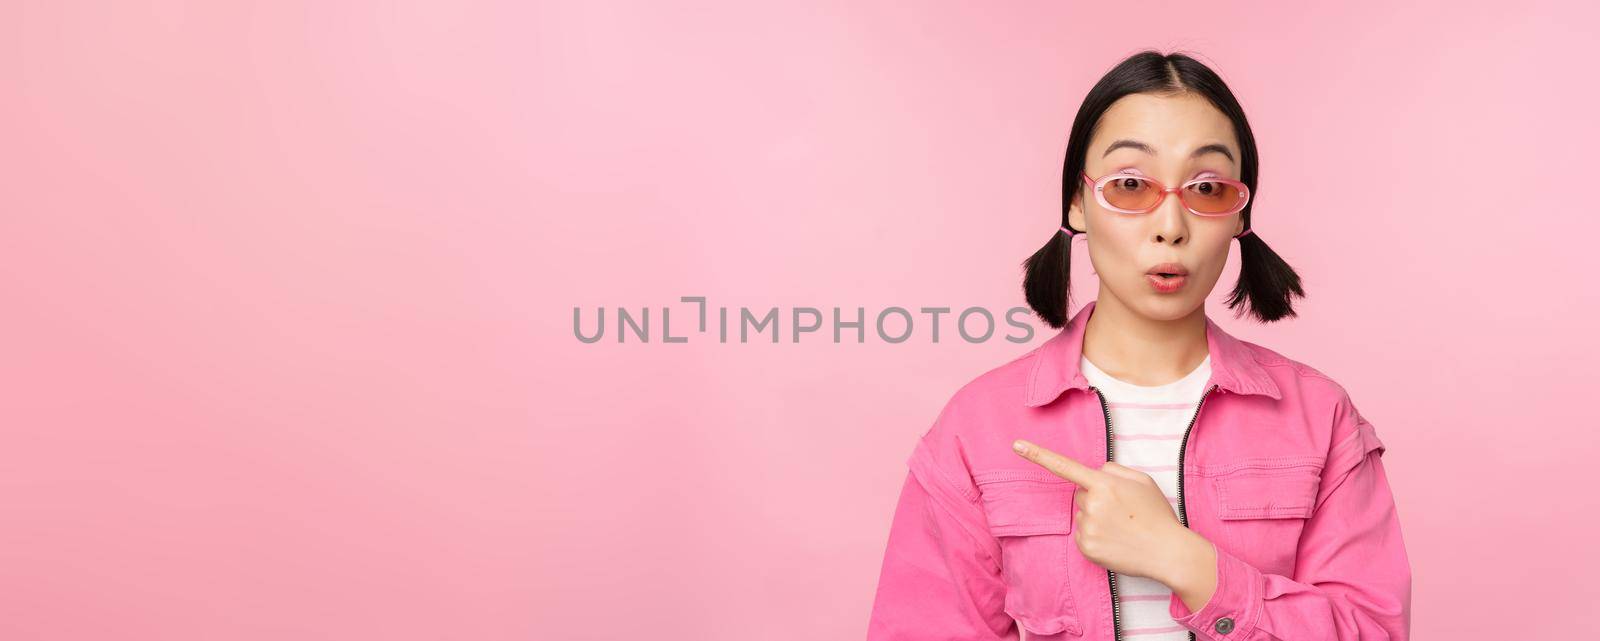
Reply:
x=1212 y=196
x=1131 y=184
x=1208 y=187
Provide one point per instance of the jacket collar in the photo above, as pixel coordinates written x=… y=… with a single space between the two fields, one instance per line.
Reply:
x=1233 y=367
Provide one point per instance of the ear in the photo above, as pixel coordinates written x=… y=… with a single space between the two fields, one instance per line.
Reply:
x=1075 y=215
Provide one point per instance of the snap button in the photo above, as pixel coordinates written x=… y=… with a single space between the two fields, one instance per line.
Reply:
x=1224 y=625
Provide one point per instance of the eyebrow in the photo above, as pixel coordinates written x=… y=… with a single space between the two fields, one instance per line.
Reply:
x=1134 y=144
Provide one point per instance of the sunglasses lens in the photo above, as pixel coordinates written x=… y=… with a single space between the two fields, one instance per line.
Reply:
x=1212 y=197
x=1131 y=192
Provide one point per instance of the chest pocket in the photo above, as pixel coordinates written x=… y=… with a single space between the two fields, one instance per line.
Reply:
x=1030 y=513
x=1263 y=506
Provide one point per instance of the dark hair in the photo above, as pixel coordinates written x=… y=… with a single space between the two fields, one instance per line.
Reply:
x=1265 y=280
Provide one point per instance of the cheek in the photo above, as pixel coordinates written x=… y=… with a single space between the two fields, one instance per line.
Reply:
x=1213 y=266
x=1112 y=254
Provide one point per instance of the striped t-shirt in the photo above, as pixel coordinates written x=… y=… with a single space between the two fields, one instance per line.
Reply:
x=1147 y=425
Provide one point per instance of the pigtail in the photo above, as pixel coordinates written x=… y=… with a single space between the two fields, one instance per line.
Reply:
x=1265 y=280
x=1047 y=283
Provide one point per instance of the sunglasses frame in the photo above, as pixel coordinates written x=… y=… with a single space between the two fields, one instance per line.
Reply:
x=1100 y=184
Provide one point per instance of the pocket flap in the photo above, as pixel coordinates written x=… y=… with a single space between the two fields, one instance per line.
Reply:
x=1024 y=504
x=1268 y=493
x=1036 y=625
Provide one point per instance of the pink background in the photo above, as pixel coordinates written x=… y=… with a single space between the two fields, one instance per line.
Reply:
x=288 y=289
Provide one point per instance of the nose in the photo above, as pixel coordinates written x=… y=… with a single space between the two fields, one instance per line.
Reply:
x=1170 y=221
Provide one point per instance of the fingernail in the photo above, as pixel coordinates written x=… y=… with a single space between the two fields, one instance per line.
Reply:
x=1020 y=447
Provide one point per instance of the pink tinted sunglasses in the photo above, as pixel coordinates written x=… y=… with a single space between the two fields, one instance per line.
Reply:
x=1137 y=194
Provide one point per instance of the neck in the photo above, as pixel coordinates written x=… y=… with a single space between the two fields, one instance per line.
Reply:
x=1142 y=350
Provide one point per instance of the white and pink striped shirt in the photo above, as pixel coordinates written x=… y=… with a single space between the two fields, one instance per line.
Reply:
x=1147 y=424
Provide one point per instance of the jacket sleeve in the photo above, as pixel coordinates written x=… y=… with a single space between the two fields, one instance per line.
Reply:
x=940 y=579
x=1352 y=578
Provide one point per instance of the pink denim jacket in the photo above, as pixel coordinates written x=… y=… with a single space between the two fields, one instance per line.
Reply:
x=1278 y=470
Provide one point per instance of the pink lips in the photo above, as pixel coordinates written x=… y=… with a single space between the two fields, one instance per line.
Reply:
x=1167 y=284
x=1168 y=268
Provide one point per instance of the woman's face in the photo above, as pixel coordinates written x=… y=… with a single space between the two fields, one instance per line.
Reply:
x=1158 y=137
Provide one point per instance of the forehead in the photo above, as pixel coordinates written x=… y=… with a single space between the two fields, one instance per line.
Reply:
x=1173 y=125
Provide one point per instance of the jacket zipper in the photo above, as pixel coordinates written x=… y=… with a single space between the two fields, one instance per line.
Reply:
x=1111 y=577
x=1183 y=446
x=1183 y=514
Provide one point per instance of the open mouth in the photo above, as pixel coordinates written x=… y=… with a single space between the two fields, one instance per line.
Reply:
x=1166 y=282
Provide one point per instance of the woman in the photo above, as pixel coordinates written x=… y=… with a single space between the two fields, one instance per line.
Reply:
x=1143 y=474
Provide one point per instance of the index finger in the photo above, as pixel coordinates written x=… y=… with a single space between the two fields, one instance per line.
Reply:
x=1057 y=464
